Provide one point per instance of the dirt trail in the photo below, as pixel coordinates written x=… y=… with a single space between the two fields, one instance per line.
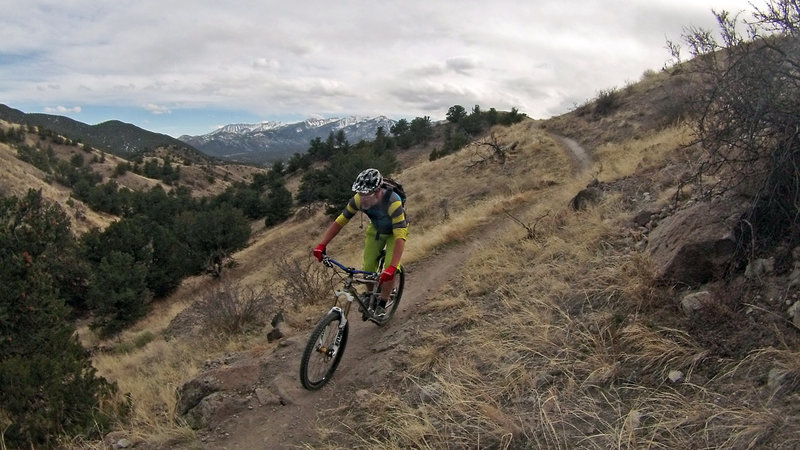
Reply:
x=367 y=360
x=578 y=153
x=371 y=356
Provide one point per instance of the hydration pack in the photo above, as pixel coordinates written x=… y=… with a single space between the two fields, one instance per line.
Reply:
x=395 y=187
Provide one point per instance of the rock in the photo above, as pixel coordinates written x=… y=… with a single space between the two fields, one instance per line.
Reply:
x=697 y=243
x=213 y=394
x=119 y=439
x=267 y=398
x=794 y=314
x=643 y=218
x=759 y=268
x=695 y=301
x=794 y=279
x=190 y=394
x=287 y=388
x=274 y=335
x=585 y=198
x=431 y=392
x=633 y=420
x=675 y=376
x=212 y=409
x=363 y=396
x=277 y=319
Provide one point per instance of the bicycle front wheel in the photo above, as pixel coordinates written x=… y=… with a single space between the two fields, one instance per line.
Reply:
x=321 y=357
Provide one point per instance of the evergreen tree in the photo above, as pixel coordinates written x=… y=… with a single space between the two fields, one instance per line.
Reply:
x=421 y=129
x=211 y=235
x=279 y=204
x=118 y=292
x=47 y=383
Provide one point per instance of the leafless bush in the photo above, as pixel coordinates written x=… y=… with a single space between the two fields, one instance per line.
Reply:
x=491 y=150
x=530 y=228
x=303 y=281
x=747 y=112
x=232 y=308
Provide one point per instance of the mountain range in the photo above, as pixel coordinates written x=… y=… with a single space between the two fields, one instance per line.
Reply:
x=259 y=143
x=270 y=141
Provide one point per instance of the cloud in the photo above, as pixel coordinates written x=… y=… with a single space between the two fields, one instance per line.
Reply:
x=62 y=109
x=264 y=63
x=275 y=58
x=462 y=64
x=157 y=109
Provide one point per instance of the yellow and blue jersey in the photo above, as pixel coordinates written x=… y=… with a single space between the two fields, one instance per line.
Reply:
x=388 y=216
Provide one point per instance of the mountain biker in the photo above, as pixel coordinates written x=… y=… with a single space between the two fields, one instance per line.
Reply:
x=388 y=229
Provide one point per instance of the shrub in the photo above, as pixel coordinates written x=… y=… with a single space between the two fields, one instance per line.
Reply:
x=47 y=383
x=747 y=112
x=607 y=101
x=303 y=282
x=231 y=308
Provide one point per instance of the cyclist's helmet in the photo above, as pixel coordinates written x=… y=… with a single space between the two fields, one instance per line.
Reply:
x=367 y=181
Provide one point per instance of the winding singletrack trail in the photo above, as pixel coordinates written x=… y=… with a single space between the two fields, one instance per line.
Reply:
x=368 y=363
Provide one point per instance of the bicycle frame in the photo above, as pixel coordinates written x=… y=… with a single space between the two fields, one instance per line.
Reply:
x=343 y=298
x=354 y=276
x=328 y=340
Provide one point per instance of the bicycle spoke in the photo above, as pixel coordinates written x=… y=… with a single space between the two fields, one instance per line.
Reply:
x=321 y=355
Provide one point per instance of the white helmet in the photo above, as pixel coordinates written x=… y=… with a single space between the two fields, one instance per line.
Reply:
x=367 y=181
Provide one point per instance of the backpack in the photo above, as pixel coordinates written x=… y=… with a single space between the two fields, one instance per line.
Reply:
x=395 y=187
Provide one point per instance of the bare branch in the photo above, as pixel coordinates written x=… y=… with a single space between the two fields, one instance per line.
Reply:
x=491 y=150
x=531 y=229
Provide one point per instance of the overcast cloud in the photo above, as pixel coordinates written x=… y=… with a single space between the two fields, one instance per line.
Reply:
x=187 y=66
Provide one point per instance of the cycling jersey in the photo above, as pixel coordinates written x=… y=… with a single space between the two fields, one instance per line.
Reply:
x=387 y=216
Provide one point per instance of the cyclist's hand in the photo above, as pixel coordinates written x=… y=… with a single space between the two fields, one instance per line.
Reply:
x=388 y=274
x=319 y=252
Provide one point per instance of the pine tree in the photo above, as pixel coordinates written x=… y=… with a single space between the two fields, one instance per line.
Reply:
x=47 y=384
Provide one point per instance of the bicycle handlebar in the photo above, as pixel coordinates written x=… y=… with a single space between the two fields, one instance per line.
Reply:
x=330 y=262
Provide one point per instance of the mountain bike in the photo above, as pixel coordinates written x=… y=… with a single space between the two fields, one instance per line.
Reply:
x=327 y=342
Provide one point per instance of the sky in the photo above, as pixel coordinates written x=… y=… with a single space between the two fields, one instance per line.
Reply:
x=190 y=66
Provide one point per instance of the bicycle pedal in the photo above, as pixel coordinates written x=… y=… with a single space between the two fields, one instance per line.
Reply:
x=378 y=321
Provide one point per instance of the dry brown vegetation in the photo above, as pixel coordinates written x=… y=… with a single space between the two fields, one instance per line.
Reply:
x=564 y=341
x=559 y=341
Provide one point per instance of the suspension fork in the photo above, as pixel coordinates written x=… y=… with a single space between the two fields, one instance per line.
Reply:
x=347 y=299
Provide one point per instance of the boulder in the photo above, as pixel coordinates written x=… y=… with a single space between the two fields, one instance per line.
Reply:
x=190 y=394
x=695 y=301
x=585 y=198
x=213 y=409
x=214 y=393
x=697 y=243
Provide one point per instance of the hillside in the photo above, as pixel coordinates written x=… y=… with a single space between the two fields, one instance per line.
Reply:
x=115 y=137
x=201 y=175
x=577 y=282
x=526 y=323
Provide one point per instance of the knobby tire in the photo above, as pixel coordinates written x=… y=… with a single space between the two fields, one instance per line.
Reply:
x=397 y=296
x=311 y=376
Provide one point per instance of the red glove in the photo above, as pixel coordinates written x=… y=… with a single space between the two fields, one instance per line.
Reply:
x=319 y=252
x=388 y=274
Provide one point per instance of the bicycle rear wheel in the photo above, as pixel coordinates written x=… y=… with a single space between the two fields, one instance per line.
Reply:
x=319 y=360
x=394 y=298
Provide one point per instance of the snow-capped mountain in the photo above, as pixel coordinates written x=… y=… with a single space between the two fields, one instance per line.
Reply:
x=269 y=141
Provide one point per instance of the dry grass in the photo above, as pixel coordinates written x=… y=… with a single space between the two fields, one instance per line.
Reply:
x=151 y=373
x=552 y=342
x=555 y=342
